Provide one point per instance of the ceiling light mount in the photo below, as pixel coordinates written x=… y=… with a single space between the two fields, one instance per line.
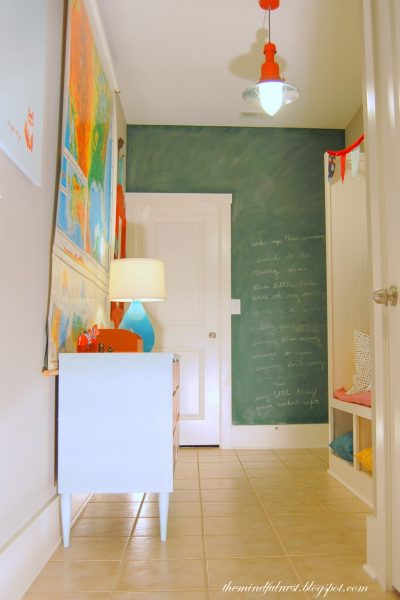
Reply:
x=269 y=4
x=272 y=90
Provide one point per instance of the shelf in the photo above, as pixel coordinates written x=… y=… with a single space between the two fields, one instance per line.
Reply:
x=348 y=309
x=350 y=407
x=347 y=473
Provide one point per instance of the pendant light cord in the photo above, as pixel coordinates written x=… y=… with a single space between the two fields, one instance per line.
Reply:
x=269 y=25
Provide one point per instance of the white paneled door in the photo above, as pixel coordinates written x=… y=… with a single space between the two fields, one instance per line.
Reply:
x=185 y=230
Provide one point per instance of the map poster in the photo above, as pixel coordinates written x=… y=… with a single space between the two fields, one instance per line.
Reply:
x=83 y=240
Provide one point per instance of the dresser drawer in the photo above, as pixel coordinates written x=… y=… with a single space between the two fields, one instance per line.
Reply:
x=175 y=374
x=176 y=441
x=175 y=407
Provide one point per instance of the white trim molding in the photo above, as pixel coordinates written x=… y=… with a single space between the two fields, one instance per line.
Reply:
x=221 y=202
x=23 y=557
x=278 y=436
x=26 y=553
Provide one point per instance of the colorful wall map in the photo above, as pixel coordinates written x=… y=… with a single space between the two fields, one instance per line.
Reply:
x=83 y=235
x=77 y=303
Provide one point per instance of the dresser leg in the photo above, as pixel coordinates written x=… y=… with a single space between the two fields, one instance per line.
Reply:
x=163 y=503
x=66 y=505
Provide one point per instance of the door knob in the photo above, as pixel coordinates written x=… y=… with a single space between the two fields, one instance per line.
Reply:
x=212 y=335
x=385 y=296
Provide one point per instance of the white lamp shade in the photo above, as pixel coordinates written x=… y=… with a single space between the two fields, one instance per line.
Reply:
x=140 y=279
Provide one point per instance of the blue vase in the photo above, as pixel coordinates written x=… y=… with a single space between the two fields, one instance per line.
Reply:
x=137 y=320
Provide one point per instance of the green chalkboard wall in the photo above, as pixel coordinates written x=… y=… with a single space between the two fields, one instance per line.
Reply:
x=279 y=366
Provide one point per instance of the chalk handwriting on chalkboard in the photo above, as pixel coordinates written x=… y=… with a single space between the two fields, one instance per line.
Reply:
x=286 y=359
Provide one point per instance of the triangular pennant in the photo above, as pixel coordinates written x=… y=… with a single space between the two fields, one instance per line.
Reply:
x=342 y=166
x=355 y=160
x=331 y=167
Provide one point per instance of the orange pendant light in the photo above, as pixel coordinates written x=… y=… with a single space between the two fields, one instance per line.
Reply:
x=271 y=91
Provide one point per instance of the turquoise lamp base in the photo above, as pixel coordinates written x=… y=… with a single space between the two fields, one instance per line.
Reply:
x=137 y=320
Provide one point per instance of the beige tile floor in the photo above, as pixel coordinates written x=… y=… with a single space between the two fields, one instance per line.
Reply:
x=237 y=518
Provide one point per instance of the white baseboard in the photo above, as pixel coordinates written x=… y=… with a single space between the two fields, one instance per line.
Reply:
x=278 y=436
x=23 y=559
x=370 y=571
x=378 y=552
x=25 y=556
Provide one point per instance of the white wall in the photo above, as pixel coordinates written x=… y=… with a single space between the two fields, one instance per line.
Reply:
x=29 y=506
x=27 y=398
x=355 y=128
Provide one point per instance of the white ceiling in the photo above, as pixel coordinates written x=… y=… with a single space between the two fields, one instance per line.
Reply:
x=187 y=62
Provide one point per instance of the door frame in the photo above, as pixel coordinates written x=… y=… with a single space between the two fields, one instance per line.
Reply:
x=223 y=203
x=381 y=44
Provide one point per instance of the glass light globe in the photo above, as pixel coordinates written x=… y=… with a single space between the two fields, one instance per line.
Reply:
x=271 y=96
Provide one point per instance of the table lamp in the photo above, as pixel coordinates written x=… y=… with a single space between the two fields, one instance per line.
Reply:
x=137 y=280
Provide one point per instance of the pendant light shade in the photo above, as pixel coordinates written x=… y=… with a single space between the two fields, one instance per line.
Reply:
x=272 y=90
x=271 y=94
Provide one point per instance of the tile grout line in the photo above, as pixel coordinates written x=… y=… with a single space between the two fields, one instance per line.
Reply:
x=329 y=512
x=300 y=486
x=122 y=560
x=308 y=489
x=203 y=538
x=286 y=554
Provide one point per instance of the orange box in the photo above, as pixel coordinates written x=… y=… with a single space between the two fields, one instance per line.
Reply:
x=119 y=340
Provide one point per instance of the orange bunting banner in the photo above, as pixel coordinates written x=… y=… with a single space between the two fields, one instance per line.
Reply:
x=353 y=150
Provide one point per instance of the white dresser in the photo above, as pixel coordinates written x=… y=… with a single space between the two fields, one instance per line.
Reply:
x=118 y=426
